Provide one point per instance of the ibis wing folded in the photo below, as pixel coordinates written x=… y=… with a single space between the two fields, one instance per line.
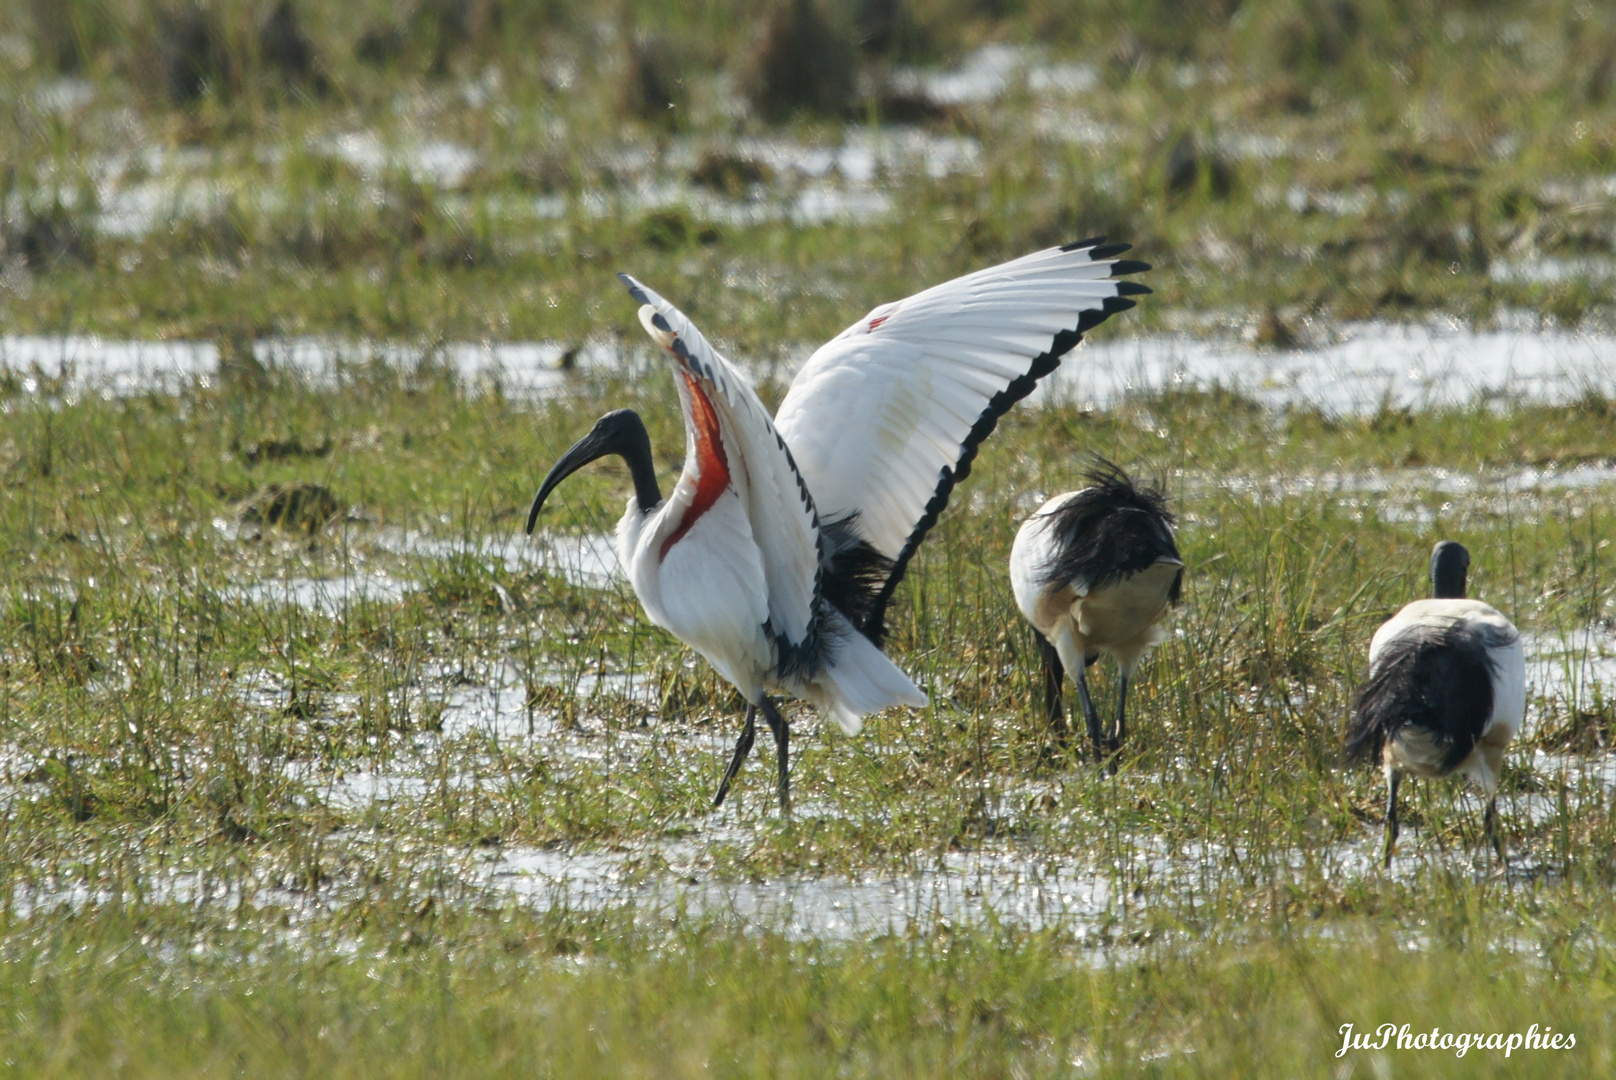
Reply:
x=784 y=523
x=886 y=418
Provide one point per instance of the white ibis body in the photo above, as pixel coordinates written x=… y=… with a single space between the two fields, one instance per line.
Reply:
x=1095 y=572
x=1446 y=691
x=779 y=548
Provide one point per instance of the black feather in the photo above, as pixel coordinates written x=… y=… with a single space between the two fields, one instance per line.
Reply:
x=1110 y=530
x=1078 y=245
x=854 y=571
x=1434 y=679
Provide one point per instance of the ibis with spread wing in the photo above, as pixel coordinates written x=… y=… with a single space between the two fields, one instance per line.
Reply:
x=776 y=553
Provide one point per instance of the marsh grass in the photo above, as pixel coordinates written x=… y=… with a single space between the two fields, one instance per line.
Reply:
x=520 y=996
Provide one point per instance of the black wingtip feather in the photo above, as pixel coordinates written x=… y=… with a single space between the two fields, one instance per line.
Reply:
x=1078 y=245
x=1128 y=266
x=1133 y=288
x=1108 y=251
x=1093 y=317
x=633 y=287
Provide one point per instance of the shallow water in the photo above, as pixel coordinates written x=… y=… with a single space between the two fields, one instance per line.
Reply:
x=1416 y=496
x=1572 y=672
x=434 y=161
x=966 y=888
x=1425 y=480
x=75 y=365
x=1366 y=368
x=988 y=887
x=331 y=595
x=1370 y=366
x=990 y=72
x=1553 y=270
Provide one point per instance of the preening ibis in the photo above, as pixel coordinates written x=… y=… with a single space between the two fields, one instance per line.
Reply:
x=778 y=550
x=1446 y=691
x=1095 y=571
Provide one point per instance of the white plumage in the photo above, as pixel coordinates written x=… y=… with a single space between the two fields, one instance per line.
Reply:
x=780 y=545
x=882 y=409
x=1507 y=659
x=1446 y=691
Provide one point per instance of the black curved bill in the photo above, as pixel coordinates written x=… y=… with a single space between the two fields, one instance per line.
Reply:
x=592 y=446
x=618 y=432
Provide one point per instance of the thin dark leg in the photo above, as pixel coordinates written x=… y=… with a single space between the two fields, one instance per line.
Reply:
x=1122 y=713
x=743 y=747
x=1489 y=825
x=1054 y=683
x=1392 y=780
x=782 y=744
x=1091 y=716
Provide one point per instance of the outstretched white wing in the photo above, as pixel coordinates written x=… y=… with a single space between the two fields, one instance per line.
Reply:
x=781 y=511
x=886 y=417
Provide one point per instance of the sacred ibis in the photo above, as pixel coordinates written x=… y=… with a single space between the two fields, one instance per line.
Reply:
x=1446 y=691
x=777 y=552
x=1095 y=571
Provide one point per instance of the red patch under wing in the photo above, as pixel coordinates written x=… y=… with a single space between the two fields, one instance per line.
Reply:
x=712 y=465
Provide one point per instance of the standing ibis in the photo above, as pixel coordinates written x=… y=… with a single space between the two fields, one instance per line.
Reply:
x=777 y=552
x=1446 y=691
x=1095 y=571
